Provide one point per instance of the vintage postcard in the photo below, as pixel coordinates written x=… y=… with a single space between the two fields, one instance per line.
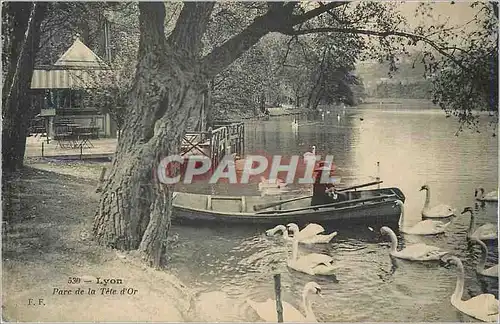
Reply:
x=236 y=161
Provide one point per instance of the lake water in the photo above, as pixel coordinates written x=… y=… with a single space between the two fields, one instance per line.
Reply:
x=414 y=147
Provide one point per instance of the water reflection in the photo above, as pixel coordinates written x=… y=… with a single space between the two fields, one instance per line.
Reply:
x=229 y=265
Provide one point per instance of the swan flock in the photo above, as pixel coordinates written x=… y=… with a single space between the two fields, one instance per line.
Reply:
x=483 y=307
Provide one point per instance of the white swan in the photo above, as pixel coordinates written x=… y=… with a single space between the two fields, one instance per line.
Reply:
x=439 y=211
x=267 y=310
x=484 y=232
x=487 y=272
x=415 y=252
x=306 y=236
x=490 y=196
x=483 y=307
x=310 y=230
x=425 y=227
x=276 y=229
x=312 y=264
x=310 y=156
x=267 y=183
x=295 y=124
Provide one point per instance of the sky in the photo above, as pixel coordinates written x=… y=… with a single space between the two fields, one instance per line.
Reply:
x=456 y=14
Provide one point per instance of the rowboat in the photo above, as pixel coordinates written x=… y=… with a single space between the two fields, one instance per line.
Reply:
x=361 y=206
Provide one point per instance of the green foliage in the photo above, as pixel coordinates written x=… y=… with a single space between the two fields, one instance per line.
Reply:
x=398 y=89
x=466 y=82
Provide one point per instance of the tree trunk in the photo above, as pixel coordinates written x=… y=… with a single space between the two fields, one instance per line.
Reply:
x=317 y=98
x=16 y=99
x=315 y=93
x=15 y=18
x=297 y=101
x=262 y=102
x=135 y=208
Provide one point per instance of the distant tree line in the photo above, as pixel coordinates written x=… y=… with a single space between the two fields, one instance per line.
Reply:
x=421 y=89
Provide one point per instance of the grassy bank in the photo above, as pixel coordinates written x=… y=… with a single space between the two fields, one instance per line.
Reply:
x=50 y=208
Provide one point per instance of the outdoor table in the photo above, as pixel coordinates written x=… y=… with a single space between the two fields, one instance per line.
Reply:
x=83 y=135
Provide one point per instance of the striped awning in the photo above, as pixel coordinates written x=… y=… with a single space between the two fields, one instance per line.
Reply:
x=66 y=79
x=78 y=67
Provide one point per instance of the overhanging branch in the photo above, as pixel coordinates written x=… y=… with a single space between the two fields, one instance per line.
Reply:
x=278 y=18
x=414 y=37
x=299 y=19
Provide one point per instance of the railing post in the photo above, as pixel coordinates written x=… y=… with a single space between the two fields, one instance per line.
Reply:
x=210 y=149
x=42 y=147
x=242 y=139
x=277 y=291
x=378 y=174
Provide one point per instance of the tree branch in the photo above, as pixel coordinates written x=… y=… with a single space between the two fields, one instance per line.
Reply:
x=413 y=37
x=288 y=48
x=151 y=19
x=190 y=26
x=222 y=56
x=299 y=19
x=278 y=18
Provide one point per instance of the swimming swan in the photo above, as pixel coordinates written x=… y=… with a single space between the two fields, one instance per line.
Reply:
x=414 y=252
x=490 y=196
x=312 y=264
x=489 y=272
x=484 y=232
x=278 y=228
x=310 y=230
x=483 y=307
x=439 y=211
x=425 y=227
x=267 y=310
x=307 y=235
x=295 y=125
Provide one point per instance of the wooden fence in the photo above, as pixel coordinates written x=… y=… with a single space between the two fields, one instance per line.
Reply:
x=223 y=138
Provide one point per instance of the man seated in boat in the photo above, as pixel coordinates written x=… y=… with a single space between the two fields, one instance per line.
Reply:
x=324 y=193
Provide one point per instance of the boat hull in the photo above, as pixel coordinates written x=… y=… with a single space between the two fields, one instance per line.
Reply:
x=361 y=211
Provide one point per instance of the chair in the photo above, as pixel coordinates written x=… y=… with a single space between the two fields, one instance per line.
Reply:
x=63 y=135
x=83 y=135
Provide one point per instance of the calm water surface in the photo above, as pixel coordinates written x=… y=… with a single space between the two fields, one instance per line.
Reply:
x=228 y=265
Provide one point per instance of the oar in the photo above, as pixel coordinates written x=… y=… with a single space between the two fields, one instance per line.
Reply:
x=336 y=204
x=277 y=203
x=272 y=204
x=360 y=186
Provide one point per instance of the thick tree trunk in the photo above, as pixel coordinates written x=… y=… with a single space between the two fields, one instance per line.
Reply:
x=16 y=101
x=135 y=208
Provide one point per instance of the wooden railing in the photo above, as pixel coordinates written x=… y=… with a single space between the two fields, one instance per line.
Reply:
x=236 y=136
x=220 y=140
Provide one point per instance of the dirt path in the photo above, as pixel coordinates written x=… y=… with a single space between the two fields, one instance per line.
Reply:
x=47 y=241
